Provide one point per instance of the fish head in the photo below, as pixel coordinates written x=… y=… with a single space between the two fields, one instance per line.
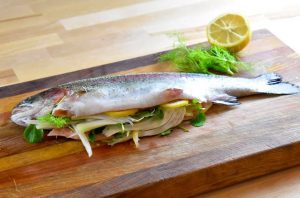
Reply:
x=37 y=105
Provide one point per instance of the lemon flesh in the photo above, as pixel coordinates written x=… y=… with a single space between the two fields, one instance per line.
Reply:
x=230 y=31
x=176 y=104
x=123 y=113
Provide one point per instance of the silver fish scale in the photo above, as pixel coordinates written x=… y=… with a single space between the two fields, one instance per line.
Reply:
x=103 y=81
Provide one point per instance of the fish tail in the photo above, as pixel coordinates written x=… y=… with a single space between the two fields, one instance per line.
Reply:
x=272 y=84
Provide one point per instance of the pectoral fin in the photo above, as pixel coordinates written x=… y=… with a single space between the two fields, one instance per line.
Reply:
x=225 y=99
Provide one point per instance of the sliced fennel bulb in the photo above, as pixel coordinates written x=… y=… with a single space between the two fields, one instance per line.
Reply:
x=135 y=138
x=81 y=128
x=40 y=125
x=126 y=119
x=89 y=125
x=175 y=118
x=146 y=127
x=84 y=141
x=146 y=124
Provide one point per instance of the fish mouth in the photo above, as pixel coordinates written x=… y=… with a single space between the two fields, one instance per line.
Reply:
x=25 y=112
x=37 y=105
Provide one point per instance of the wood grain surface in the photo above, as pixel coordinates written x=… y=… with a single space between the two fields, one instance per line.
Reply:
x=42 y=38
x=142 y=27
x=281 y=184
x=236 y=144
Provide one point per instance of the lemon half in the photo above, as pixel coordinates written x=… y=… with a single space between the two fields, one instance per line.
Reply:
x=123 y=113
x=175 y=104
x=230 y=31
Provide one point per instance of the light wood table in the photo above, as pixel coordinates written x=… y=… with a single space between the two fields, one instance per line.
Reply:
x=40 y=38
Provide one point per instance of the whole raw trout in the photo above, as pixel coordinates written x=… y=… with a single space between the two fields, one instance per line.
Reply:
x=114 y=93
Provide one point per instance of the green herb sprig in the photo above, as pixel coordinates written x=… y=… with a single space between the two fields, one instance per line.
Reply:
x=200 y=118
x=203 y=60
x=92 y=136
x=156 y=112
x=166 y=132
x=56 y=121
x=119 y=135
x=32 y=134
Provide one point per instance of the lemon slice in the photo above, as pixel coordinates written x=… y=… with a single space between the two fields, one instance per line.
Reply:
x=230 y=31
x=121 y=113
x=176 y=104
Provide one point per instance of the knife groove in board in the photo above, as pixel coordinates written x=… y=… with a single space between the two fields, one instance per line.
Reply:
x=109 y=68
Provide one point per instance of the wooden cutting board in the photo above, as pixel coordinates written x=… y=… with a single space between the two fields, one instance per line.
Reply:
x=260 y=136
